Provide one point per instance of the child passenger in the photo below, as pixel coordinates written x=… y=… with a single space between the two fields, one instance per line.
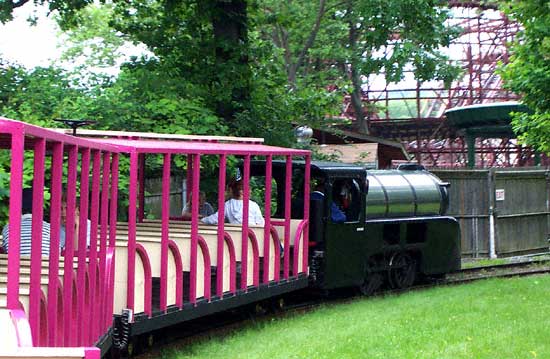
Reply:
x=205 y=208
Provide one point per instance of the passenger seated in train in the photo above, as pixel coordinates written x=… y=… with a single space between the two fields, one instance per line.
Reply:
x=346 y=194
x=205 y=208
x=343 y=197
x=26 y=228
x=62 y=232
x=233 y=208
x=336 y=215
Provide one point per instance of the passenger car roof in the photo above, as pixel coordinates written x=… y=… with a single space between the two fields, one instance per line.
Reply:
x=318 y=168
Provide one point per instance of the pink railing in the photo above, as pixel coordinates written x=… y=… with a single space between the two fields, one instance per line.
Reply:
x=197 y=243
x=69 y=318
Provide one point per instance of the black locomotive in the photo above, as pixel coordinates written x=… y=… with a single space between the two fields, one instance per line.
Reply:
x=395 y=229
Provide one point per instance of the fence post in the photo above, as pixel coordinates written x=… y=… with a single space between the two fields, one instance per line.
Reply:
x=492 y=213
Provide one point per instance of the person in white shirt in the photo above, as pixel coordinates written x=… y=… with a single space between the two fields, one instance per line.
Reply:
x=233 y=209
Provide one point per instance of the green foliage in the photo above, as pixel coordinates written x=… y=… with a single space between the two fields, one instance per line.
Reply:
x=36 y=96
x=279 y=75
x=276 y=107
x=92 y=42
x=4 y=191
x=148 y=96
x=252 y=71
x=198 y=39
x=528 y=72
x=415 y=30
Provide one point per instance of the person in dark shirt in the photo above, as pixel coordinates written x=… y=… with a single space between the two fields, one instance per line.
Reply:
x=336 y=215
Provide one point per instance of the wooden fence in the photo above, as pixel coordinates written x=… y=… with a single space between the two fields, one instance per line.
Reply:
x=153 y=196
x=502 y=212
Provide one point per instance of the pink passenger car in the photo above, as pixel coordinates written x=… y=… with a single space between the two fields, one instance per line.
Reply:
x=141 y=274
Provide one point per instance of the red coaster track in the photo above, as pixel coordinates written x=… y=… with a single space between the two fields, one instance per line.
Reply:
x=413 y=112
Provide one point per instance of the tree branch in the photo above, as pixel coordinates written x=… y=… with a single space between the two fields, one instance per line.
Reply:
x=282 y=35
x=15 y=5
x=309 y=42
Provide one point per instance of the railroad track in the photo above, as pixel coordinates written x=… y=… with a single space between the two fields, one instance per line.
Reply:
x=225 y=323
x=517 y=269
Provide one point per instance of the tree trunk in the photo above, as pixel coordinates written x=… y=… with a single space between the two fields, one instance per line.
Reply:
x=356 y=95
x=229 y=22
x=357 y=102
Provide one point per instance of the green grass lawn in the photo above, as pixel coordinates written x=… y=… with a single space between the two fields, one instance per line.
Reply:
x=500 y=318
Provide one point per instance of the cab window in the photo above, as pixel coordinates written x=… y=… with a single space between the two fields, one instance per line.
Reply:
x=346 y=195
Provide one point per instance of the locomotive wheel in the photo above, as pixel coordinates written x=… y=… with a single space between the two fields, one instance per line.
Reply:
x=260 y=309
x=402 y=273
x=371 y=283
x=277 y=304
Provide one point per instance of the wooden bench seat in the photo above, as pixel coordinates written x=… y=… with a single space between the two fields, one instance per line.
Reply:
x=25 y=261
x=23 y=279
x=182 y=238
x=26 y=265
x=24 y=295
x=209 y=233
x=24 y=285
x=24 y=290
x=151 y=241
x=25 y=270
x=175 y=224
x=121 y=280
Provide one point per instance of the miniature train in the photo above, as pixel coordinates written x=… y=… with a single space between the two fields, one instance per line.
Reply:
x=141 y=275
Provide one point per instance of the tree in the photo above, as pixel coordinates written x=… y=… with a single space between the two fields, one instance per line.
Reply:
x=271 y=60
x=207 y=37
x=37 y=96
x=205 y=41
x=91 y=43
x=240 y=81
x=528 y=71
x=331 y=42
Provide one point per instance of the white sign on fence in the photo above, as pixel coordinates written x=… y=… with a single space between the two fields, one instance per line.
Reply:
x=499 y=194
